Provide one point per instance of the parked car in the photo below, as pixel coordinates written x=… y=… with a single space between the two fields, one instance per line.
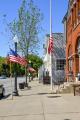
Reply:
x=2 y=91
x=3 y=77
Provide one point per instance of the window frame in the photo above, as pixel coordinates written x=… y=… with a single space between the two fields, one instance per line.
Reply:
x=60 y=63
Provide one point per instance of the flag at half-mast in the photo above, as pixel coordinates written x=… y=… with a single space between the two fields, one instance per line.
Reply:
x=50 y=45
x=14 y=57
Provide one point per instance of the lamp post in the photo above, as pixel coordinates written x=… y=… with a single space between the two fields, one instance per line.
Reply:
x=15 y=93
x=29 y=63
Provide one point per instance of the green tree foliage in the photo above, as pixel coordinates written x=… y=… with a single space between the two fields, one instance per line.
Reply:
x=27 y=28
x=2 y=61
x=36 y=61
x=20 y=69
x=5 y=68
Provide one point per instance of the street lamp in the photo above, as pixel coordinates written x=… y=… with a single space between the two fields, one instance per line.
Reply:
x=15 y=93
x=29 y=63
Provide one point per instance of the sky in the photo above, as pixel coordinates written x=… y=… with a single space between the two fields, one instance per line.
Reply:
x=10 y=8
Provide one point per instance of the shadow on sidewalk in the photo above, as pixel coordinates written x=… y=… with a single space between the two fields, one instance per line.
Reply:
x=27 y=95
x=42 y=93
x=5 y=97
x=67 y=119
x=54 y=97
x=26 y=88
x=35 y=94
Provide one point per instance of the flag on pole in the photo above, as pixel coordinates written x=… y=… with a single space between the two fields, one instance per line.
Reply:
x=22 y=61
x=14 y=57
x=30 y=69
x=50 y=45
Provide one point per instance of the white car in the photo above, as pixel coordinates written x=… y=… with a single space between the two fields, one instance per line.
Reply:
x=2 y=91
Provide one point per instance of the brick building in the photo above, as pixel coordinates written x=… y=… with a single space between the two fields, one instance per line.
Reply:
x=72 y=35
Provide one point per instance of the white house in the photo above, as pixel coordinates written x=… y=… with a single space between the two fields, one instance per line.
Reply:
x=58 y=57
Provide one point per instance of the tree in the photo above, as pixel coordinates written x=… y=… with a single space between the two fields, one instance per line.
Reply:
x=27 y=27
x=2 y=61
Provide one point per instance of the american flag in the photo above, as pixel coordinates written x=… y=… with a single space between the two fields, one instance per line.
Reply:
x=14 y=57
x=50 y=45
x=22 y=61
x=30 y=69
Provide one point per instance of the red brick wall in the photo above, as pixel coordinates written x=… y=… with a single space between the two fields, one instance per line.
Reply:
x=73 y=32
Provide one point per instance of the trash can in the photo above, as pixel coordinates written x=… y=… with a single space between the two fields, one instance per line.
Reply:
x=21 y=85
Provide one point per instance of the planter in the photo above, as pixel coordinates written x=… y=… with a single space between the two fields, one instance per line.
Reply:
x=46 y=80
x=21 y=85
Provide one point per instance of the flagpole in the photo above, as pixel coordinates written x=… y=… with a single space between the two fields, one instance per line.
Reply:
x=50 y=18
x=50 y=37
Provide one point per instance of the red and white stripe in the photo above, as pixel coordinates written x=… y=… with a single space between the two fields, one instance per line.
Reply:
x=13 y=58
x=50 y=46
x=22 y=61
x=18 y=59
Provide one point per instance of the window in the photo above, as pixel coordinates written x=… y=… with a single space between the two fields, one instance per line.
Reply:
x=60 y=64
x=78 y=10
x=73 y=17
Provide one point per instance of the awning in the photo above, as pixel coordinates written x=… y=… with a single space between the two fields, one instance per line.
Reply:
x=30 y=69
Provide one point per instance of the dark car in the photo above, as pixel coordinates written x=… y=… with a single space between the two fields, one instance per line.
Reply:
x=3 y=77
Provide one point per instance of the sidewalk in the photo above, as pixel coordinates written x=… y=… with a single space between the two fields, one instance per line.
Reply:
x=38 y=104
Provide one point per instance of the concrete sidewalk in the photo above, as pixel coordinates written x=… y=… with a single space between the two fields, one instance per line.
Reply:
x=38 y=104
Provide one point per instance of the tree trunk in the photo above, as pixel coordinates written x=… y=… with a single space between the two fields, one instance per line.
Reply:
x=26 y=68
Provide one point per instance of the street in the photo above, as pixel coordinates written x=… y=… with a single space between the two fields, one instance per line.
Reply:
x=9 y=84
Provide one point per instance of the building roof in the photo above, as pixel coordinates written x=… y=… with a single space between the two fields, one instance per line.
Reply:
x=70 y=3
x=65 y=17
x=59 y=45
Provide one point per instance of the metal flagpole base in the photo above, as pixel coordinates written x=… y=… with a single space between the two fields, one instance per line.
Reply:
x=51 y=88
x=15 y=93
x=26 y=84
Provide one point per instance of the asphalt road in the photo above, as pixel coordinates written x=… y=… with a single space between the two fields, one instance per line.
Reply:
x=9 y=84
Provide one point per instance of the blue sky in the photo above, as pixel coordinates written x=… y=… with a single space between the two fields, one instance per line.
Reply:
x=10 y=7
